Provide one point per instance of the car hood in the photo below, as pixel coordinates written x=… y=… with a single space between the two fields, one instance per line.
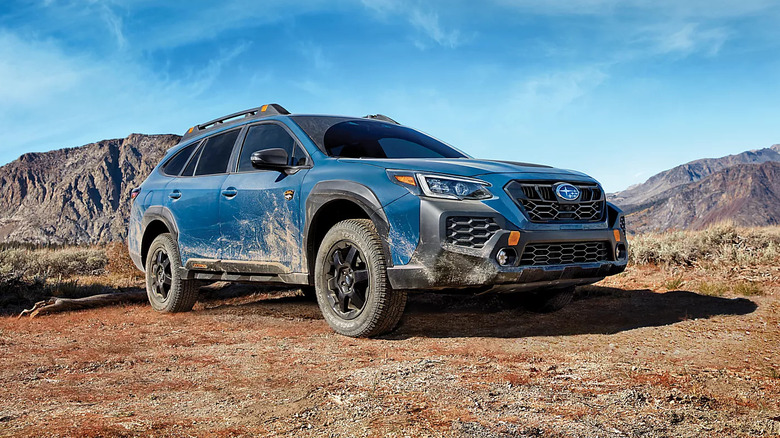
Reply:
x=468 y=167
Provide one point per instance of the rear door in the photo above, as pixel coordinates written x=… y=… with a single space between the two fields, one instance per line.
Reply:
x=260 y=209
x=193 y=197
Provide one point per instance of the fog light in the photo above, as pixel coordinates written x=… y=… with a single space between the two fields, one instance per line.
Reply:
x=506 y=257
x=620 y=252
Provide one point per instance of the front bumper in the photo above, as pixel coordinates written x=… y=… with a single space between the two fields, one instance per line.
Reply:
x=437 y=264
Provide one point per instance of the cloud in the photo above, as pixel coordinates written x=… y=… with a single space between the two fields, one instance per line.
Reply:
x=428 y=23
x=114 y=24
x=552 y=92
x=424 y=19
x=33 y=71
x=315 y=56
x=691 y=38
x=648 y=8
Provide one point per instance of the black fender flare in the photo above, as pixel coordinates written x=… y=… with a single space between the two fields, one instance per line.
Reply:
x=325 y=192
x=160 y=214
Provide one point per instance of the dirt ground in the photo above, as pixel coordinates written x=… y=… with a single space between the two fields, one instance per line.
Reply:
x=626 y=358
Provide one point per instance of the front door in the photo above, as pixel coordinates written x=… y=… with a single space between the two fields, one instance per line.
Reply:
x=260 y=209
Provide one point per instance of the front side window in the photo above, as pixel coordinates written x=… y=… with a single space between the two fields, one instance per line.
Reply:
x=268 y=136
x=215 y=154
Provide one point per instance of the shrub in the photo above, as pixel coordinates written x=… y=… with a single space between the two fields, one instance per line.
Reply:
x=715 y=289
x=31 y=263
x=723 y=244
x=119 y=262
x=748 y=288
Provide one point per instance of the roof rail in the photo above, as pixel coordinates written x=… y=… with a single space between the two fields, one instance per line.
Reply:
x=271 y=109
x=381 y=118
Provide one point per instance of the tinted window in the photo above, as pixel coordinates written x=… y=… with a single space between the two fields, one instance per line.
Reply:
x=266 y=136
x=174 y=165
x=299 y=157
x=193 y=161
x=216 y=153
x=361 y=138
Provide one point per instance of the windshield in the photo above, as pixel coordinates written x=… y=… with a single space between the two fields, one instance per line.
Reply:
x=361 y=138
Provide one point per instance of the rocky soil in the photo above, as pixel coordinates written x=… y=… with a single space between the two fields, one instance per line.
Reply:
x=627 y=358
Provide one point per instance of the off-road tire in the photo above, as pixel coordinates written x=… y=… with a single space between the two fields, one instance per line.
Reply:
x=182 y=294
x=383 y=306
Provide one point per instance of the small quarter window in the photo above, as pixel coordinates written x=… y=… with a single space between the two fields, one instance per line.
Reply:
x=174 y=166
x=215 y=154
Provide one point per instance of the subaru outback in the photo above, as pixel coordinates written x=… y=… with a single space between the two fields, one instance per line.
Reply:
x=360 y=211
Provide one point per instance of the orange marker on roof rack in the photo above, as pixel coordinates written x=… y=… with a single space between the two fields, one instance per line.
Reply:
x=263 y=108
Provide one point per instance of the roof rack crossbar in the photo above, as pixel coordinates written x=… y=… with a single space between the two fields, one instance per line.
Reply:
x=247 y=113
x=270 y=109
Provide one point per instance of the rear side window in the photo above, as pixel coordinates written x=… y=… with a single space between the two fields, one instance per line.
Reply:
x=266 y=136
x=215 y=154
x=174 y=166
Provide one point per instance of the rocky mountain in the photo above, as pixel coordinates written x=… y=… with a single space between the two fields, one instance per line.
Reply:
x=745 y=194
x=82 y=195
x=76 y=195
x=661 y=186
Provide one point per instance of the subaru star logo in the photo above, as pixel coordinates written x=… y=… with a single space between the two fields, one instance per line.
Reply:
x=567 y=192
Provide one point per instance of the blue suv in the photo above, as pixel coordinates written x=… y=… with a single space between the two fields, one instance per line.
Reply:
x=359 y=211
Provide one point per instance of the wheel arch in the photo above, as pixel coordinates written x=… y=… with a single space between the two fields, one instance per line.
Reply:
x=331 y=202
x=156 y=221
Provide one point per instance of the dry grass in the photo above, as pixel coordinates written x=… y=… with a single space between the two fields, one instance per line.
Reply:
x=29 y=274
x=720 y=245
x=47 y=263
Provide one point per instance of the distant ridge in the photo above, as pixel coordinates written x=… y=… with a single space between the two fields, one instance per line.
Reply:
x=76 y=195
x=742 y=188
x=82 y=194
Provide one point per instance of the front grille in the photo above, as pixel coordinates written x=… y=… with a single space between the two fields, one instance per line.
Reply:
x=540 y=204
x=472 y=232
x=566 y=253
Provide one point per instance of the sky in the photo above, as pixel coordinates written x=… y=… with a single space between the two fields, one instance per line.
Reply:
x=618 y=89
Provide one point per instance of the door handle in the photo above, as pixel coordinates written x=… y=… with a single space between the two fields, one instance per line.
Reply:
x=229 y=192
x=175 y=194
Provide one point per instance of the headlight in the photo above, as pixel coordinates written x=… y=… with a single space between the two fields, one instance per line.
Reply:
x=438 y=186
x=441 y=186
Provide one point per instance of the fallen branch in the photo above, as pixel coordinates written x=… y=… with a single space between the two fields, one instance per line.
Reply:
x=54 y=304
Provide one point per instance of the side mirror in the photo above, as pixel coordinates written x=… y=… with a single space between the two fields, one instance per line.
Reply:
x=274 y=158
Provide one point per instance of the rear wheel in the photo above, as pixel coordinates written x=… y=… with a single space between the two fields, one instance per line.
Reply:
x=166 y=290
x=351 y=281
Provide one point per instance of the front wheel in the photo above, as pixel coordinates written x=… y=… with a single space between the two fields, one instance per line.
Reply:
x=166 y=290
x=351 y=281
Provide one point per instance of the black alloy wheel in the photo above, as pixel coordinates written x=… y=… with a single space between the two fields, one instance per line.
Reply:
x=161 y=274
x=348 y=284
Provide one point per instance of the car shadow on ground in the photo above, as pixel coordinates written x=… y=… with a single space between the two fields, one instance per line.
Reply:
x=594 y=310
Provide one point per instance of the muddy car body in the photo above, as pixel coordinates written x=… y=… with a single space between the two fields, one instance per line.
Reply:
x=358 y=211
